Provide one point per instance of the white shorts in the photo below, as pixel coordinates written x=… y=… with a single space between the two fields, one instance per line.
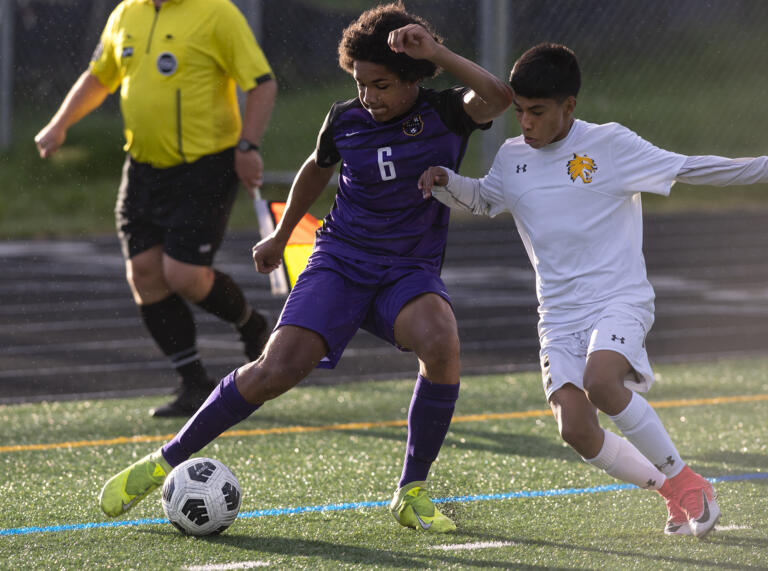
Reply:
x=564 y=358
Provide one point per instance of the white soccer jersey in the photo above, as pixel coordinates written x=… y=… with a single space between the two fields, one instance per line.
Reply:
x=576 y=203
x=577 y=207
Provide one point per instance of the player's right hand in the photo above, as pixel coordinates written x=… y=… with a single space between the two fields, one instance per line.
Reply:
x=431 y=177
x=268 y=254
x=414 y=41
x=49 y=139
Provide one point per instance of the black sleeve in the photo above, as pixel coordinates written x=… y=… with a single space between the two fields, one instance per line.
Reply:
x=450 y=106
x=326 y=153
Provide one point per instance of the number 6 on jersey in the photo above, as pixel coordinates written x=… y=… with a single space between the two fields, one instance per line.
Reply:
x=386 y=168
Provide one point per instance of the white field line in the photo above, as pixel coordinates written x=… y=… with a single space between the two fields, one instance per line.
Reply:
x=224 y=566
x=473 y=546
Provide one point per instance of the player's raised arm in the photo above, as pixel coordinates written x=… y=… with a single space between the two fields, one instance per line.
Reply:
x=308 y=185
x=489 y=95
x=85 y=95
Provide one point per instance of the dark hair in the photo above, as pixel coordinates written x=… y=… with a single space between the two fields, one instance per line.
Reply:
x=546 y=71
x=365 y=39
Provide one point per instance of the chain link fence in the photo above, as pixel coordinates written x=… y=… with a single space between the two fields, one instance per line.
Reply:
x=687 y=74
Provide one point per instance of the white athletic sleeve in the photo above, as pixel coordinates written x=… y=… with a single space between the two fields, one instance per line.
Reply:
x=641 y=166
x=721 y=171
x=478 y=196
x=461 y=193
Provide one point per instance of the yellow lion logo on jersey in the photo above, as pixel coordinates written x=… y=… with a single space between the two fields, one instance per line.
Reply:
x=581 y=167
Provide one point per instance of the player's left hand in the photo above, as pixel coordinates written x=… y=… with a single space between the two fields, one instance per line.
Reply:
x=249 y=167
x=414 y=41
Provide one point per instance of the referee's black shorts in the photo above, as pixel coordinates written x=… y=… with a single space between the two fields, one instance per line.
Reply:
x=185 y=208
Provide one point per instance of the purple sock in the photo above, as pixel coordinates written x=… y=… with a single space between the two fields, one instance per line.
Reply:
x=224 y=408
x=428 y=421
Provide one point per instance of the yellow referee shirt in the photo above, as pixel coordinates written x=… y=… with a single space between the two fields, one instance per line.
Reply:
x=177 y=68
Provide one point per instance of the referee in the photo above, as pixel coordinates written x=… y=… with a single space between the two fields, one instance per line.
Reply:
x=177 y=63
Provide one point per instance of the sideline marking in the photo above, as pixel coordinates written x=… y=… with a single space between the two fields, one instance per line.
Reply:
x=376 y=504
x=362 y=425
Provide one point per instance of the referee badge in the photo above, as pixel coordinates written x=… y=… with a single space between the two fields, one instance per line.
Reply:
x=167 y=63
x=413 y=125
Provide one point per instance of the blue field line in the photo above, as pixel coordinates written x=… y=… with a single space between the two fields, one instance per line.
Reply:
x=362 y=505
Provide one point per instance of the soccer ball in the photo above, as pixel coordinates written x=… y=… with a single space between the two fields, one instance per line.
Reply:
x=201 y=497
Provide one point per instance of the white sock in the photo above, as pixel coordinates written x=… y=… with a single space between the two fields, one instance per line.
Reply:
x=643 y=428
x=621 y=460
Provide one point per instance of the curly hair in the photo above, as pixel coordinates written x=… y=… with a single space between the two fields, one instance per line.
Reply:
x=365 y=39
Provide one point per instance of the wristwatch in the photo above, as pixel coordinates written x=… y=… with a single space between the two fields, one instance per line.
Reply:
x=244 y=145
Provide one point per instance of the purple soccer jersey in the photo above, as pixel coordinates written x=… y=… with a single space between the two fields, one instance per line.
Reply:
x=382 y=244
x=379 y=214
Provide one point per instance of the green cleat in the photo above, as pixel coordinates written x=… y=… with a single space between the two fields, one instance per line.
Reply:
x=127 y=488
x=412 y=507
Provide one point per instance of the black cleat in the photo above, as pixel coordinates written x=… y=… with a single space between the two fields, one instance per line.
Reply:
x=187 y=401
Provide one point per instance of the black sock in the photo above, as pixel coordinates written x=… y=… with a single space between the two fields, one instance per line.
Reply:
x=226 y=301
x=172 y=326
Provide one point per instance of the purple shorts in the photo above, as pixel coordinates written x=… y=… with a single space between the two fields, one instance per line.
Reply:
x=335 y=297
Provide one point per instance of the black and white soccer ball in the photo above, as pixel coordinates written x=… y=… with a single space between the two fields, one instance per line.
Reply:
x=201 y=497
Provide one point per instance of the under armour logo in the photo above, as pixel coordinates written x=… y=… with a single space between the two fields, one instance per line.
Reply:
x=617 y=338
x=521 y=168
x=670 y=462
x=650 y=484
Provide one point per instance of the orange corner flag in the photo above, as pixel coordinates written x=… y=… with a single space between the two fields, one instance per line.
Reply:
x=300 y=243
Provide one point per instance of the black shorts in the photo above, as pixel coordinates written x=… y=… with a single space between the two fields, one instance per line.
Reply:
x=185 y=208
